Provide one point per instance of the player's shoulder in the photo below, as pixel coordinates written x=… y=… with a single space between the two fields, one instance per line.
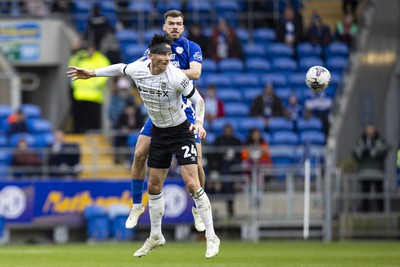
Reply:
x=136 y=65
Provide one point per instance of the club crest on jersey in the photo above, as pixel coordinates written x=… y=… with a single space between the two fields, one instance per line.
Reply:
x=179 y=50
x=163 y=86
x=198 y=56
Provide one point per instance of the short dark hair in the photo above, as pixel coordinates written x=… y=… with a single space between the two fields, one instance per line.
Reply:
x=173 y=13
x=159 y=39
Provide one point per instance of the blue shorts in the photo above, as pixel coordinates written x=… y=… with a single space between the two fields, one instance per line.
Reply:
x=146 y=129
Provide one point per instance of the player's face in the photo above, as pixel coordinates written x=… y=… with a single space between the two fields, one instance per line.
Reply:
x=160 y=61
x=173 y=27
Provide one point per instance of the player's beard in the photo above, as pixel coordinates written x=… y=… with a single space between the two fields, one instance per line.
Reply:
x=174 y=38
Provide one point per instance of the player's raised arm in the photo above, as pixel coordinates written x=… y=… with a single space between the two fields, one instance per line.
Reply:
x=200 y=107
x=76 y=73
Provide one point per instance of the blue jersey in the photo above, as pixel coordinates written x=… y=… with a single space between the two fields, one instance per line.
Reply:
x=184 y=51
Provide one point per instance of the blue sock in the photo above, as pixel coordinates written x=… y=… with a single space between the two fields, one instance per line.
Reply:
x=137 y=190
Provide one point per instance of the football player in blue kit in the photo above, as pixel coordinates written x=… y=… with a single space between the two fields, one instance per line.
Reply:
x=187 y=56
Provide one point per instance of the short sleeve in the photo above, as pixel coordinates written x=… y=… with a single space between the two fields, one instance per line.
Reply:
x=195 y=52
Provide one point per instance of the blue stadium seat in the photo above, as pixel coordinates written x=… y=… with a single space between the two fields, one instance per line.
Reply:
x=254 y=51
x=132 y=139
x=229 y=95
x=243 y=35
x=127 y=38
x=5 y=157
x=97 y=223
x=149 y=33
x=284 y=65
x=231 y=65
x=31 y=111
x=208 y=66
x=264 y=36
x=117 y=214
x=307 y=62
x=79 y=7
x=279 y=50
x=336 y=49
x=236 y=110
x=267 y=137
x=44 y=139
x=246 y=80
x=200 y=12
x=280 y=124
x=316 y=154
x=283 y=157
x=313 y=123
x=5 y=111
x=336 y=78
x=133 y=52
x=218 y=124
x=250 y=93
x=278 y=79
x=219 y=80
x=3 y=141
x=164 y=6
x=297 y=79
x=258 y=66
x=284 y=138
x=244 y=125
x=283 y=93
x=229 y=10
x=211 y=137
x=37 y=126
x=337 y=63
x=29 y=138
x=312 y=137
x=308 y=50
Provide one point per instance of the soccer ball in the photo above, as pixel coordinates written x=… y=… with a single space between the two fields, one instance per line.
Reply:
x=318 y=78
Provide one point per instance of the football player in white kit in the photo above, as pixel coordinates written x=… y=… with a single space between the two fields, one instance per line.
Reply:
x=161 y=86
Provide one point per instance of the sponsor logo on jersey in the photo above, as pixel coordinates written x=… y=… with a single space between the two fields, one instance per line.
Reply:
x=185 y=82
x=153 y=92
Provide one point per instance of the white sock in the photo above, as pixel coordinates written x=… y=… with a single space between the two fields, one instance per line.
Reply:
x=204 y=210
x=156 y=211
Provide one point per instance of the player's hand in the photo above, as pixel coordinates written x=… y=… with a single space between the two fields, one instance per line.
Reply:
x=76 y=73
x=198 y=128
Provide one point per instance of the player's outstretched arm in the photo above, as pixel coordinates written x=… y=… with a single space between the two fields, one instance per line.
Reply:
x=76 y=73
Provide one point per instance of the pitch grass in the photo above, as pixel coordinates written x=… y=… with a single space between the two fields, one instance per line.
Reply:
x=232 y=254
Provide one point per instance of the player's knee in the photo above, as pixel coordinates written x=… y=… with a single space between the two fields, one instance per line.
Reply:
x=154 y=188
x=140 y=157
x=191 y=187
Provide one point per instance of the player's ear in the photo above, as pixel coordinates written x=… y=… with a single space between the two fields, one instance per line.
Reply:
x=164 y=27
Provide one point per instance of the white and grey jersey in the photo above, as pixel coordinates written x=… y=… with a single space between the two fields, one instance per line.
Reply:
x=161 y=94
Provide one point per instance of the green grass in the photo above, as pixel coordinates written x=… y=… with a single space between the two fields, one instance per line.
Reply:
x=232 y=254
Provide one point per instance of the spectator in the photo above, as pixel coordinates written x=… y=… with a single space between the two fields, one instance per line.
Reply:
x=255 y=150
x=267 y=104
x=61 y=7
x=214 y=106
x=25 y=162
x=64 y=157
x=350 y=6
x=88 y=95
x=222 y=162
x=226 y=44
x=130 y=119
x=110 y=47
x=260 y=13
x=370 y=153
x=17 y=123
x=320 y=105
x=293 y=110
x=290 y=27
x=346 y=29
x=196 y=35
x=97 y=26
x=318 y=32
x=120 y=97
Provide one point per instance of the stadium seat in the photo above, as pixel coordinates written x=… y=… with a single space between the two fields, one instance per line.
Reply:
x=149 y=33
x=117 y=214
x=5 y=157
x=218 y=124
x=219 y=80
x=284 y=65
x=5 y=111
x=231 y=65
x=258 y=66
x=308 y=50
x=312 y=137
x=284 y=138
x=297 y=79
x=29 y=138
x=264 y=36
x=336 y=49
x=229 y=95
x=279 y=50
x=267 y=137
x=127 y=38
x=209 y=66
x=277 y=79
x=246 y=80
x=133 y=52
x=283 y=93
x=3 y=141
x=337 y=63
x=243 y=35
x=244 y=125
x=283 y=157
x=37 y=126
x=316 y=154
x=250 y=93
x=236 y=110
x=312 y=123
x=254 y=51
x=97 y=223
x=44 y=139
x=31 y=111
x=199 y=12
x=307 y=62
x=279 y=124
x=81 y=7
x=336 y=78
x=211 y=136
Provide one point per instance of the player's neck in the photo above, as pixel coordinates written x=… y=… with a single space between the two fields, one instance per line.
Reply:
x=154 y=70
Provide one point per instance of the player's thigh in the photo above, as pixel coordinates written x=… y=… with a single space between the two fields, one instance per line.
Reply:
x=190 y=177
x=156 y=179
x=199 y=153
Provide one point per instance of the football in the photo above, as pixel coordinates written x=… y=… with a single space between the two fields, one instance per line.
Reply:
x=318 y=78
